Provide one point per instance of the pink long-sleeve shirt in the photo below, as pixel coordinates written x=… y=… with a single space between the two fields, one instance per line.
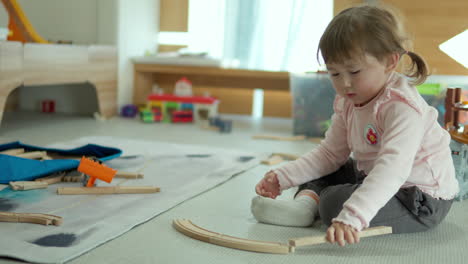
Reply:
x=395 y=140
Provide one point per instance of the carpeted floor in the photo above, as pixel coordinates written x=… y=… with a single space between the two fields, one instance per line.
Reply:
x=226 y=208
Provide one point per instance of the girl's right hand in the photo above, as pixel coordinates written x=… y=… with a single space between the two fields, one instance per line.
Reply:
x=269 y=186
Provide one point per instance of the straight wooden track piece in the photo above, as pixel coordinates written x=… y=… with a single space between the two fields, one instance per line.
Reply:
x=208 y=127
x=272 y=160
x=316 y=140
x=73 y=178
x=43 y=219
x=28 y=185
x=287 y=156
x=55 y=178
x=33 y=155
x=294 y=138
x=108 y=190
x=187 y=228
x=128 y=175
x=306 y=241
x=13 y=152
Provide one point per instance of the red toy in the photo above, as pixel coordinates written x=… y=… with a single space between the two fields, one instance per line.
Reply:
x=48 y=106
x=182 y=116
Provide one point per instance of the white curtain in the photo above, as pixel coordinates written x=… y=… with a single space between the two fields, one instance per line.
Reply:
x=260 y=34
x=275 y=35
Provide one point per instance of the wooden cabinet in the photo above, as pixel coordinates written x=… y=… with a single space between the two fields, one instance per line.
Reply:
x=44 y=64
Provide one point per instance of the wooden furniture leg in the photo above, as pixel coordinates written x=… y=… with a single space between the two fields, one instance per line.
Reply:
x=106 y=97
x=142 y=84
x=6 y=87
x=11 y=68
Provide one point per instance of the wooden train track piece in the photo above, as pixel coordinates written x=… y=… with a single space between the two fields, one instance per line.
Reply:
x=306 y=241
x=54 y=178
x=73 y=178
x=108 y=190
x=28 y=185
x=316 y=140
x=33 y=155
x=43 y=219
x=128 y=175
x=270 y=137
x=13 y=152
x=187 y=228
x=286 y=156
x=272 y=160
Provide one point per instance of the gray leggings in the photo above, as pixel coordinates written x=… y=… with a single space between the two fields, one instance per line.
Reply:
x=409 y=210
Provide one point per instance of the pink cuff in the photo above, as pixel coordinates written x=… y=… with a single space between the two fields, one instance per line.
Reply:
x=283 y=180
x=349 y=218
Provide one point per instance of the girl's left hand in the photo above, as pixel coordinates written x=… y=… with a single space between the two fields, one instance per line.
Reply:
x=341 y=233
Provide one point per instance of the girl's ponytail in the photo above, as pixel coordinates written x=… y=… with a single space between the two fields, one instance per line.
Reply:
x=418 y=69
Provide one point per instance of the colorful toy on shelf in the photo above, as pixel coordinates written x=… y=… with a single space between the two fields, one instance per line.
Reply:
x=224 y=126
x=95 y=170
x=459 y=143
x=174 y=108
x=183 y=116
x=129 y=110
x=150 y=115
x=183 y=87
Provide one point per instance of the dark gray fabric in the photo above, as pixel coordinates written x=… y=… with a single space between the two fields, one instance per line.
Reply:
x=409 y=210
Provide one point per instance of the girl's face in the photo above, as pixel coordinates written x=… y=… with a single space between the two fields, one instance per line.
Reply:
x=360 y=80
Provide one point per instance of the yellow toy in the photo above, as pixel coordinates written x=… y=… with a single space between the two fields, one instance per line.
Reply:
x=20 y=29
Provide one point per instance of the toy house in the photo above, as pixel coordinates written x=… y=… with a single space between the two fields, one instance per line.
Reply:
x=174 y=108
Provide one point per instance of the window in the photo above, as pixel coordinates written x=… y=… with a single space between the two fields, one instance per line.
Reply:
x=256 y=34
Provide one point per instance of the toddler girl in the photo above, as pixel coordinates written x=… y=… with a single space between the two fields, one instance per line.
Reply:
x=401 y=172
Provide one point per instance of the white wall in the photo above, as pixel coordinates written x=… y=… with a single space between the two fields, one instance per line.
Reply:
x=3 y=17
x=137 y=32
x=61 y=19
x=132 y=26
x=107 y=25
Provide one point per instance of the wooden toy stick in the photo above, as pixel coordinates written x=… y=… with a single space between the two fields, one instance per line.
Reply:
x=306 y=241
x=294 y=138
x=13 y=152
x=43 y=219
x=272 y=160
x=187 y=228
x=128 y=175
x=316 y=140
x=27 y=185
x=107 y=190
x=33 y=155
x=73 y=178
x=56 y=178
x=287 y=156
x=456 y=113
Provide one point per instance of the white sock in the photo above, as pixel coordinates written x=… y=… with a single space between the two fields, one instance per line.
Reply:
x=298 y=212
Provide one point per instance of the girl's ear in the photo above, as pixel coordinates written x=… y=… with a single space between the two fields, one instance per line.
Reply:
x=392 y=61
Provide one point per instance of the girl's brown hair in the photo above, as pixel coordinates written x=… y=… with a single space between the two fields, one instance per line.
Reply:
x=372 y=30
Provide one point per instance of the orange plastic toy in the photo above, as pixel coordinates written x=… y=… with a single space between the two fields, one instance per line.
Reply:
x=95 y=170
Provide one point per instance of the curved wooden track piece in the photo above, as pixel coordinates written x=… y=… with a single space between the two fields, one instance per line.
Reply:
x=187 y=228
x=43 y=219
